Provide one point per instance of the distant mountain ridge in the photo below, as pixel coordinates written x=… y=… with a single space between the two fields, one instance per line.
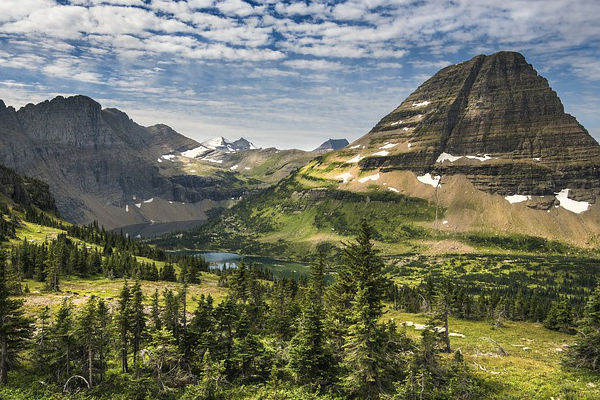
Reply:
x=331 y=144
x=100 y=164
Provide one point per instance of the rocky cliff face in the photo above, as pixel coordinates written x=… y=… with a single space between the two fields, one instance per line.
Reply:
x=96 y=161
x=502 y=119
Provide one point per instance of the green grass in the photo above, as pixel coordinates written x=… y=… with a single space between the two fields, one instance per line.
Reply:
x=531 y=370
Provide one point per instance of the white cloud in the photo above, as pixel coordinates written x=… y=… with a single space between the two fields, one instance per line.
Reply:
x=314 y=64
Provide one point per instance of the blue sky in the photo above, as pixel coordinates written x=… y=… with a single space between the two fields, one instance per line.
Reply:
x=285 y=74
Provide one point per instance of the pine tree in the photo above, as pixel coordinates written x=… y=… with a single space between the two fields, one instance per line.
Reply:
x=42 y=343
x=86 y=333
x=15 y=328
x=560 y=317
x=155 y=311
x=310 y=360
x=138 y=322
x=124 y=316
x=103 y=336
x=364 y=350
x=441 y=310
x=586 y=351
x=52 y=271
x=63 y=340
x=239 y=283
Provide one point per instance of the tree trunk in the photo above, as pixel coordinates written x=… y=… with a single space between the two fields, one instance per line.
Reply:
x=3 y=361
x=90 y=365
x=124 y=360
x=446 y=334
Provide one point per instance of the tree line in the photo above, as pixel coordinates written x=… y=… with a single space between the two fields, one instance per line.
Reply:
x=327 y=340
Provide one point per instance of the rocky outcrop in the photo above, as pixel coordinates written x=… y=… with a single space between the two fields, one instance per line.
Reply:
x=497 y=106
x=330 y=145
x=25 y=191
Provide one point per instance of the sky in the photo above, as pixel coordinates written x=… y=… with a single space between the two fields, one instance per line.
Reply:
x=283 y=73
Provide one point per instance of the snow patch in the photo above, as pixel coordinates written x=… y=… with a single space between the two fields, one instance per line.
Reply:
x=195 y=152
x=150 y=200
x=346 y=176
x=517 y=198
x=404 y=129
x=396 y=123
x=355 y=159
x=447 y=157
x=192 y=170
x=421 y=104
x=409 y=145
x=369 y=178
x=484 y=158
x=246 y=168
x=234 y=167
x=393 y=189
x=574 y=206
x=169 y=157
x=388 y=146
x=159 y=160
x=126 y=207
x=537 y=159
x=381 y=153
x=429 y=180
x=138 y=205
x=444 y=222
x=354 y=147
x=460 y=335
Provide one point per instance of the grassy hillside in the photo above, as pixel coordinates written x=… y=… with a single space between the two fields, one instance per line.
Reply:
x=312 y=212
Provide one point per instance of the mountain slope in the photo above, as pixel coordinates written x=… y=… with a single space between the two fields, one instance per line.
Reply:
x=485 y=142
x=99 y=163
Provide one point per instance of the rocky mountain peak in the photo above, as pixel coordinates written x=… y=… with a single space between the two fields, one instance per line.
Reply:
x=494 y=119
x=331 y=144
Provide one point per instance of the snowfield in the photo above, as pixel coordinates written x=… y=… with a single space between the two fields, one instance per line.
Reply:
x=234 y=167
x=346 y=176
x=195 y=152
x=393 y=189
x=381 y=153
x=572 y=205
x=388 y=146
x=447 y=157
x=484 y=158
x=421 y=103
x=355 y=159
x=430 y=180
x=369 y=178
x=517 y=198
x=355 y=147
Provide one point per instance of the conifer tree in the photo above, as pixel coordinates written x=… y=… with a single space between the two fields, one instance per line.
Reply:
x=15 y=328
x=586 y=351
x=560 y=317
x=63 y=340
x=138 y=321
x=103 y=336
x=52 y=271
x=155 y=311
x=86 y=333
x=124 y=316
x=364 y=350
x=310 y=359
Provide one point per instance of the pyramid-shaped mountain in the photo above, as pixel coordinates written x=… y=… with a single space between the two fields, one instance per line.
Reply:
x=493 y=119
x=482 y=146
